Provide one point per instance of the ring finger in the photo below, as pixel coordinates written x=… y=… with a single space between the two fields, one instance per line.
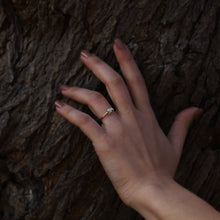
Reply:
x=95 y=101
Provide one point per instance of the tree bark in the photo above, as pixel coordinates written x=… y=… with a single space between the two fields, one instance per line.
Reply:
x=48 y=168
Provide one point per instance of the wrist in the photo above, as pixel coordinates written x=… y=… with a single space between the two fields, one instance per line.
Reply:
x=169 y=200
x=149 y=199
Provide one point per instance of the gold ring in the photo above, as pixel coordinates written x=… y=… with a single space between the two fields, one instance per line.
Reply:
x=108 y=112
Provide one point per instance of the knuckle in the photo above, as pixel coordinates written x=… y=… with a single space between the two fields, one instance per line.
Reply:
x=115 y=81
x=68 y=110
x=96 y=60
x=96 y=97
x=136 y=79
x=84 y=119
x=72 y=89
x=131 y=112
x=129 y=58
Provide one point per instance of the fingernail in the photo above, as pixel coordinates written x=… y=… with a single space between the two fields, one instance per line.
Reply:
x=85 y=53
x=59 y=104
x=119 y=44
x=64 y=87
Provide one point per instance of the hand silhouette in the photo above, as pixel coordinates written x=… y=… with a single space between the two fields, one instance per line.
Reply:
x=130 y=144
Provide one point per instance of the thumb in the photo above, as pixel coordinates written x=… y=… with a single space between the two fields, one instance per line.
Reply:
x=180 y=127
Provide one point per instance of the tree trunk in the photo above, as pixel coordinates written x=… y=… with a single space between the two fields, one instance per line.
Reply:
x=48 y=168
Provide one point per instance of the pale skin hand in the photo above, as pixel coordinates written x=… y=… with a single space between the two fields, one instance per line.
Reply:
x=130 y=144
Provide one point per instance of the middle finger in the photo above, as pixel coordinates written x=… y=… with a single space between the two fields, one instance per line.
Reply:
x=114 y=83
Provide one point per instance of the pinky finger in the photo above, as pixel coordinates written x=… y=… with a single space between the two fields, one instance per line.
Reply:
x=82 y=120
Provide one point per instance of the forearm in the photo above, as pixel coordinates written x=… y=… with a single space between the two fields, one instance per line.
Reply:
x=173 y=202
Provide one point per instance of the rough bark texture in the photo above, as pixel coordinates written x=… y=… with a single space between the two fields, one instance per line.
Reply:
x=48 y=168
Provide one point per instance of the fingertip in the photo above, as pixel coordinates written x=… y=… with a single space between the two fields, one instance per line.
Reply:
x=85 y=54
x=64 y=88
x=59 y=104
x=119 y=44
x=198 y=112
x=120 y=49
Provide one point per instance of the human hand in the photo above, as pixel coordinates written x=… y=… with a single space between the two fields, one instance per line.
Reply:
x=130 y=144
